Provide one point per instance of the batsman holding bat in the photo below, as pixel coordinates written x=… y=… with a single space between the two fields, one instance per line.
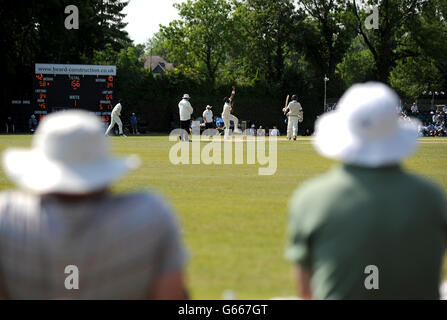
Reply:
x=294 y=113
x=227 y=117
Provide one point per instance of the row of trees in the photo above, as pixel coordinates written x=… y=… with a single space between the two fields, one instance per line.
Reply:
x=266 y=48
x=273 y=41
x=276 y=47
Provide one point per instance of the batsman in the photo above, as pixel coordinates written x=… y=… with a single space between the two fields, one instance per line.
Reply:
x=294 y=113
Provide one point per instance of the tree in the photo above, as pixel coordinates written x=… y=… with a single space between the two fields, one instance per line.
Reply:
x=413 y=75
x=264 y=28
x=201 y=37
x=157 y=45
x=329 y=31
x=357 y=65
x=109 y=17
x=387 y=44
x=429 y=31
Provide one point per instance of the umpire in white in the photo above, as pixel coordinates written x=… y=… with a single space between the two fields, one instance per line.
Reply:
x=185 y=111
x=208 y=117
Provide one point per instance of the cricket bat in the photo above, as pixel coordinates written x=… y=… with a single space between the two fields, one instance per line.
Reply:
x=287 y=102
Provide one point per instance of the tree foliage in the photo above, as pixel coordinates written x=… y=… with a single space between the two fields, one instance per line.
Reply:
x=201 y=37
x=388 y=44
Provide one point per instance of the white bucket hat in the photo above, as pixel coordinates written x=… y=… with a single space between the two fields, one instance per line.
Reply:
x=209 y=107
x=186 y=96
x=69 y=155
x=365 y=129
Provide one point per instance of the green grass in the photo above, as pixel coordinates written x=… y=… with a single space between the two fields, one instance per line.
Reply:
x=233 y=220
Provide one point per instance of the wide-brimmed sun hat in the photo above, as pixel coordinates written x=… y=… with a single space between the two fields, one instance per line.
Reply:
x=69 y=155
x=186 y=96
x=365 y=130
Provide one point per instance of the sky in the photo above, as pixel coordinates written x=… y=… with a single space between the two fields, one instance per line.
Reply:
x=145 y=16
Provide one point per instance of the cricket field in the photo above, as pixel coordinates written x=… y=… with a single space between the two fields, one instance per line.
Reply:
x=233 y=220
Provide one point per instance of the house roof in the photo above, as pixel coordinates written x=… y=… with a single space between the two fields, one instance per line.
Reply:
x=155 y=61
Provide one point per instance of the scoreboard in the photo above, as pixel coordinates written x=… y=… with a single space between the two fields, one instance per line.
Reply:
x=63 y=87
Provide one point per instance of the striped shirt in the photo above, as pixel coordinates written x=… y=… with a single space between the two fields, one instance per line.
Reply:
x=120 y=245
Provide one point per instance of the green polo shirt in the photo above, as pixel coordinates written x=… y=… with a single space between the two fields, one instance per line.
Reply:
x=353 y=217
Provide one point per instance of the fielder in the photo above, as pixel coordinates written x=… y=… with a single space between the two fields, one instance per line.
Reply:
x=227 y=117
x=294 y=113
x=116 y=113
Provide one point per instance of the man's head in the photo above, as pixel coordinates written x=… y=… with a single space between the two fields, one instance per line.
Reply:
x=274 y=127
x=133 y=114
x=120 y=101
x=226 y=100
x=294 y=98
x=365 y=130
x=69 y=155
x=186 y=96
x=208 y=107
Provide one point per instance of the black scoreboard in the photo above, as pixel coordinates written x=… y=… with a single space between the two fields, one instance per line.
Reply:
x=65 y=87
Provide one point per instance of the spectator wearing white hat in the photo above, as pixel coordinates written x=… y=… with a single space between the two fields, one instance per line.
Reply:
x=185 y=111
x=63 y=216
x=378 y=232
x=208 y=117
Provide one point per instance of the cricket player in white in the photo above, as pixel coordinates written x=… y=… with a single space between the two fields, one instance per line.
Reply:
x=227 y=117
x=294 y=113
x=116 y=113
